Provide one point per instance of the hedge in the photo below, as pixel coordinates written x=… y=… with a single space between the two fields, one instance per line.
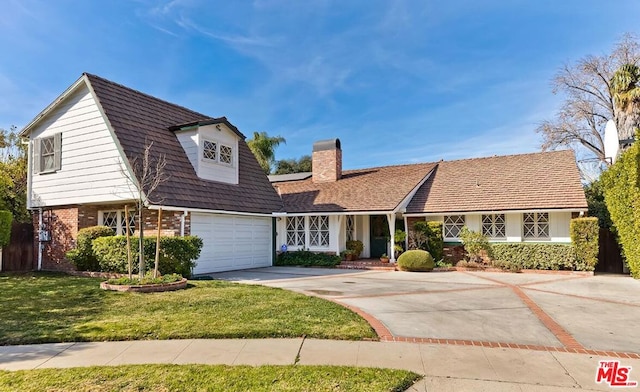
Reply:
x=6 y=218
x=622 y=195
x=82 y=257
x=584 y=238
x=177 y=254
x=307 y=259
x=535 y=256
x=416 y=260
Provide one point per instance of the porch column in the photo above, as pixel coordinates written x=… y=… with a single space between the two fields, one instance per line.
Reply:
x=338 y=234
x=391 y=219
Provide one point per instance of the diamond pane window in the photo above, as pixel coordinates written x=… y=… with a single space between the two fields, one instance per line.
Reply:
x=351 y=228
x=226 y=154
x=452 y=225
x=110 y=219
x=493 y=225
x=210 y=150
x=295 y=231
x=319 y=231
x=535 y=225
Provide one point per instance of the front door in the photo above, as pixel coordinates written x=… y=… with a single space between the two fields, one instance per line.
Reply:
x=379 y=235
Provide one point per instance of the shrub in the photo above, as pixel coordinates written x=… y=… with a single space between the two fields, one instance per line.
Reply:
x=475 y=244
x=622 y=196
x=307 y=259
x=177 y=254
x=428 y=236
x=82 y=256
x=534 y=256
x=6 y=218
x=355 y=245
x=416 y=260
x=584 y=237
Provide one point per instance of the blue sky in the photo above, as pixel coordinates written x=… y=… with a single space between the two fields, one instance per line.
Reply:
x=397 y=81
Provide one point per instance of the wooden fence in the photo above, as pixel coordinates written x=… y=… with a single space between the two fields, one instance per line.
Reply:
x=609 y=255
x=18 y=255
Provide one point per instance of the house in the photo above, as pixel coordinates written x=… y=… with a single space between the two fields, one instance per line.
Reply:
x=515 y=198
x=82 y=149
x=84 y=146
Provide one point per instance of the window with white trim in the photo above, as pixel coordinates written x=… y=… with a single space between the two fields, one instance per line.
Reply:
x=351 y=228
x=319 y=231
x=308 y=231
x=452 y=225
x=213 y=151
x=116 y=221
x=535 y=225
x=295 y=231
x=47 y=154
x=493 y=226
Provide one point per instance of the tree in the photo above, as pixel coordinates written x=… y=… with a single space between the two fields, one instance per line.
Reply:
x=594 y=193
x=13 y=175
x=589 y=103
x=625 y=88
x=149 y=174
x=288 y=166
x=263 y=147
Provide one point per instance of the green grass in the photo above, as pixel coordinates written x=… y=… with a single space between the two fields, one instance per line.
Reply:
x=43 y=308
x=154 y=378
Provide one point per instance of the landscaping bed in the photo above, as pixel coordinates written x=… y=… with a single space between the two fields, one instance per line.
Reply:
x=43 y=308
x=208 y=378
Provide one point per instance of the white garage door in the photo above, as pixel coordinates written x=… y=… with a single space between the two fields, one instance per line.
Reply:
x=232 y=242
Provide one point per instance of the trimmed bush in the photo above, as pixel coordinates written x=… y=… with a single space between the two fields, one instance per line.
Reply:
x=6 y=218
x=475 y=244
x=82 y=257
x=584 y=237
x=622 y=196
x=177 y=254
x=428 y=236
x=417 y=260
x=307 y=259
x=534 y=256
x=356 y=246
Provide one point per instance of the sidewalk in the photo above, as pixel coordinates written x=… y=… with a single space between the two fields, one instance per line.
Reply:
x=446 y=367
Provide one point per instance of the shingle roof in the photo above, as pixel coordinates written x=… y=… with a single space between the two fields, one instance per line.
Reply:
x=374 y=189
x=548 y=180
x=137 y=118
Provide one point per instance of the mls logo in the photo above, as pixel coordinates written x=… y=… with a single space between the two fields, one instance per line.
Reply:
x=614 y=374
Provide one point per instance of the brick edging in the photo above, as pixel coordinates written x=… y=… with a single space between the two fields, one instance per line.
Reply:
x=478 y=343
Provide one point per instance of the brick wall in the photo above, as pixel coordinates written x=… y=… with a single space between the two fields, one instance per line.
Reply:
x=64 y=223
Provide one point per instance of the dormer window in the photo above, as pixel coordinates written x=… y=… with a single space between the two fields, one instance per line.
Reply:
x=217 y=152
x=210 y=150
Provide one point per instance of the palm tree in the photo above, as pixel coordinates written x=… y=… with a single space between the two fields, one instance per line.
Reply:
x=625 y=89
x=263 y=147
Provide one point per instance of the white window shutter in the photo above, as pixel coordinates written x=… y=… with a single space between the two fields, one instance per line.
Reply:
x=36 y=156
x=57 y=151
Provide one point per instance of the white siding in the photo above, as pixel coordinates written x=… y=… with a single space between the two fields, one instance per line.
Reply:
x=514 y=227
x=559 y=226
x=189 y=141
x=215 y=171
x=92 y=167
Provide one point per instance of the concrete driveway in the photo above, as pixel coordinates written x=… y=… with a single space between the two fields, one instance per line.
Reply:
x=540 y=311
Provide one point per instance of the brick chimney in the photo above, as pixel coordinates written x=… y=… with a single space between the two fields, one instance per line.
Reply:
x=326 y=161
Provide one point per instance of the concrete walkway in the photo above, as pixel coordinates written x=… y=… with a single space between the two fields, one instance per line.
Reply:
x=446 y=367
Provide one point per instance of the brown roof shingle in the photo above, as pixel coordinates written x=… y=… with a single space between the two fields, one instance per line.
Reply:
x=137 y=117
x=374 y=189
x=548 y=180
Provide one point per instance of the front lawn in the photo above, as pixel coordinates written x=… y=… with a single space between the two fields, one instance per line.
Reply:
x=41 y=308
x=208 y=378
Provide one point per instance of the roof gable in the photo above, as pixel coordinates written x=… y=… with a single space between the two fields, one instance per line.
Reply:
x=137 y=119
x=373 y=189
